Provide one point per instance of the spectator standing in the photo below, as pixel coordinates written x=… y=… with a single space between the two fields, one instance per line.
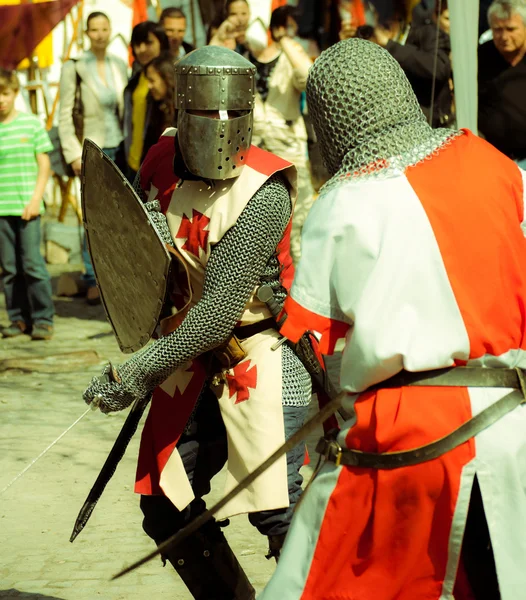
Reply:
x=24 y=171
x=415 y=51
x=173 y=21
x=441 y=16
x=281 y=77
x=231 y=33
x=148 y=40
x=102 y=78
x=502 y=80
x=161 y=83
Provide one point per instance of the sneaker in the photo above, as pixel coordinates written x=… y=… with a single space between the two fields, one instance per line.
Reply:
x=15 y=329
x=93 y=296
x=41 y=331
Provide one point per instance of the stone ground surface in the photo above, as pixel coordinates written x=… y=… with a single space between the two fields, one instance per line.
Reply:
x=38 y=511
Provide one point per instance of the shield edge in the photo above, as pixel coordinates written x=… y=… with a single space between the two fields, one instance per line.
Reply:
x=126 y=349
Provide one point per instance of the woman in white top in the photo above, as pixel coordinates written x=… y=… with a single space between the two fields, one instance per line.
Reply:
x=103 y=78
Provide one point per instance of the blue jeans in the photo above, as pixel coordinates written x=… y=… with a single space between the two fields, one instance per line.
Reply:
x=27 y=285
x=89 y=275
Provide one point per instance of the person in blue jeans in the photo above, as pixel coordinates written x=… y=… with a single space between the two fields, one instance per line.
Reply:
x=24 y=171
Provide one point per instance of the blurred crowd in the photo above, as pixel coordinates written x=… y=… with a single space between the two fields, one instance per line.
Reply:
x=124 y=109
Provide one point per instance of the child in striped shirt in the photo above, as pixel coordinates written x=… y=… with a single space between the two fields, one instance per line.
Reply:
x=24 y=171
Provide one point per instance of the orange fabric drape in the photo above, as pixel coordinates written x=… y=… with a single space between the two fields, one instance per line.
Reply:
x=275 y=4
x=357 y=13
x=140 y=14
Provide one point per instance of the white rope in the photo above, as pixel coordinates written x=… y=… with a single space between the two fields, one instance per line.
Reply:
x=48 y=448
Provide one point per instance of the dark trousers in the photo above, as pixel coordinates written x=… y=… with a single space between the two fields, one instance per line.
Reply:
x=27 y=284
x=477 y=552
x=204 y=453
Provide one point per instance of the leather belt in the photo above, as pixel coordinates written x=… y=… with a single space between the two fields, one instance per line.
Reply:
x=329 y=448
x=242 y=332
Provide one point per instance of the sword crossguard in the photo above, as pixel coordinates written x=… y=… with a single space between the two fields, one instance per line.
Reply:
x=112 y=376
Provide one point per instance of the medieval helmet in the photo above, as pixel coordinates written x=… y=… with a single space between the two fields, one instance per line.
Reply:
x=214 y=79
x=365 y=114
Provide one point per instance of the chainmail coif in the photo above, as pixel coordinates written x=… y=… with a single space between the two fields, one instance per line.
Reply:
x=365 y=113
x=245 y=256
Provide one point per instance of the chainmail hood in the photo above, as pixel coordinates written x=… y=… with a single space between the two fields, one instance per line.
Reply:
x=365 y=113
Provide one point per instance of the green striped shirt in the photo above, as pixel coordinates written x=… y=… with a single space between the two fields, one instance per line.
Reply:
x=20 y=141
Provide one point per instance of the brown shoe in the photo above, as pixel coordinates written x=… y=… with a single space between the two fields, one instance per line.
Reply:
x=93 y=296
x=42 y=332
x=15 y=329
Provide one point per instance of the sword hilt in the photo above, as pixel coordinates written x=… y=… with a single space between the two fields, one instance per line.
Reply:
x=111 y=376
x=265 y=294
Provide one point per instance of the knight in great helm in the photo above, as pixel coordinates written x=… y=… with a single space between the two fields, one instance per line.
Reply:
x=217 y=371
x=413 y=264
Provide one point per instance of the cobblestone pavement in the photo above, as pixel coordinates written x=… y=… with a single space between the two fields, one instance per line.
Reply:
x=37 y=512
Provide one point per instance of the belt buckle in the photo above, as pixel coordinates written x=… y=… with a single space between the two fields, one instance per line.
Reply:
x=219 y=379
x=330 y=450
x=335 y=452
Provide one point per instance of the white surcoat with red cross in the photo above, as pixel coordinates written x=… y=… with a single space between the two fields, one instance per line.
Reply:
x=198 y=216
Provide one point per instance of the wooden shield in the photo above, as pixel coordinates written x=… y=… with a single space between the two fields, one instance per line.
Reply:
x=130 y=260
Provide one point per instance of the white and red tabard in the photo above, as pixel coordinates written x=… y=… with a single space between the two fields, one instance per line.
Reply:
x=421 y=270
x=250 y=398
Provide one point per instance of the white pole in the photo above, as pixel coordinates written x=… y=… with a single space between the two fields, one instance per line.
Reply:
x=464 y=16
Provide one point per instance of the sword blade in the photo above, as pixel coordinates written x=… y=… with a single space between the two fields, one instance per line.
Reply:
x=110 y=465
x=46 y=450
x=330 y=408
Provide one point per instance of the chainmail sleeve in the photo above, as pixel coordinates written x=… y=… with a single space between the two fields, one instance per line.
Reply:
x=234 y=269
x=137 y=188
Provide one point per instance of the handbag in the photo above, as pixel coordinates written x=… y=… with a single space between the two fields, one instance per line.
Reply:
x=78 y=107
x=58 y=163
x=59 y=166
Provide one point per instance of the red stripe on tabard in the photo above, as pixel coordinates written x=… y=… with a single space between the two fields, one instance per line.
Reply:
x=299 y=320
x=385 y=534
x=165 y=423
x=147 y=476
x=265 y=162
x=473 y=197
x=285 y=260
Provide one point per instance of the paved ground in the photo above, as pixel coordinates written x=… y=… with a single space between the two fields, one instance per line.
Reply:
x=37 y=512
